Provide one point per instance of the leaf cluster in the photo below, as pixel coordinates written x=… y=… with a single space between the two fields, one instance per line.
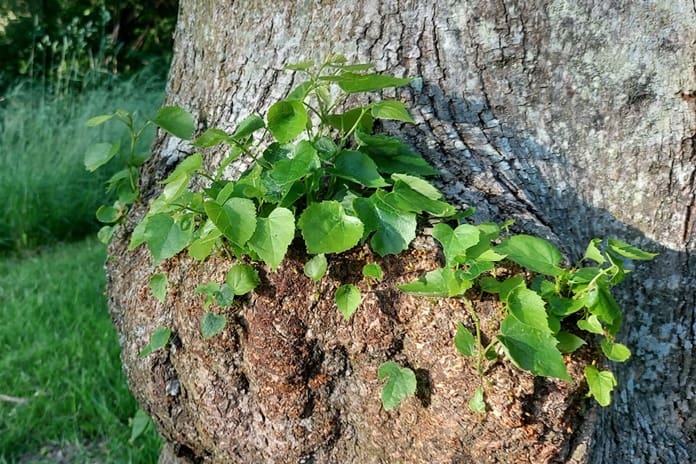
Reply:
x=547 y=316
x=318 y=172
x=124 y=183
x=321 y=176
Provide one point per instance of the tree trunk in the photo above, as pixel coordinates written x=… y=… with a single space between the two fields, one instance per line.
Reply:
x=577 y=120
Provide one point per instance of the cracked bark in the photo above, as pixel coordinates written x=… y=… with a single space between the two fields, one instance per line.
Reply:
x=577 y=120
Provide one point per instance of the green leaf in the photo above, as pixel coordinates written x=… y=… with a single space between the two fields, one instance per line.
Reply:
x=300 y=92
x=185 y=168
x=139 y=424
x=118 y=179
x=400 y=385
x=348 y=299
x=357 y=67
x=209 y=291
x=273 y=235
x=211 y=137
x=326 y=148
x=491 y=285
x=373 y=271
x=629 y=251
x=591 y=297
x=236 y=218
x=164 y=237
x=287 y=119
x=456 y=242
x=477 y=403
x=176 y=121
x=316 y=267
x=221 y=191
x=474 y=269
x=126 y=194
x=442 y=282
x=464 y=341
x=568 y=342
x=605 y=306
x=583 y=275
x=201 y=248
x=158 y=340
x=528 y=308
x=108 y=214
x=391 y=109
x=105 y=233
x=591 y=324
x=176 y=184
x=250 y=184
x=158 y=286
x=139 y=234
x=593 y=252
x=248 y=126
x=326 y=228
x=615 y=351
x=564 y=306
x=531 y=349
x=242 y=278
x=99 y=120
x=601 y=384
x=392 y=155
x=383 y=145
x=224 y=296
x=301 y=66
x=617 y=271
x=356 y=166
x=356 y=83
x=170 y=194
x=483 y=251
x=421 y=186
x=394 y=229
x=358 y=118
x=99 y=154
x=533 y=253
x=303 y=161
x=212 y=324
x=415 y=194
x=404 y=198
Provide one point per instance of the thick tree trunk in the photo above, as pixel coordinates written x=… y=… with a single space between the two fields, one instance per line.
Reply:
x=577 y=120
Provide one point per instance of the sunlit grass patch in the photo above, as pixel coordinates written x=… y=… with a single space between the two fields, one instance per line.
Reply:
x=60 y=372
x=47 y=194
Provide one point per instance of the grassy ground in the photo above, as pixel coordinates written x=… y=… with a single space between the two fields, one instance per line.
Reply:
x=47 y=194
x=63 y=396
x=59 y=358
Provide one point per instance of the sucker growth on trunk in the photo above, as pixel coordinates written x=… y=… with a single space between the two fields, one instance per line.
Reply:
x=576 y=120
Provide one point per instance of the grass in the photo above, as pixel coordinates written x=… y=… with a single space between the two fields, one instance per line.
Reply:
x=47 y=194
x=59 y=353
x=63 y=396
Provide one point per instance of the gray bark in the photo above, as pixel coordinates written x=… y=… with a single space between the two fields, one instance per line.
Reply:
x=577 y=120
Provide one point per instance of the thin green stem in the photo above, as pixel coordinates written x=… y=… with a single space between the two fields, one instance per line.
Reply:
x=345 y=137
x=205 y=175
x=480 y=352
x=193 y=210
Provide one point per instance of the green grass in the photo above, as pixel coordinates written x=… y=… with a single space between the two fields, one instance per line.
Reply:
x=47 y=195
x=59 y=352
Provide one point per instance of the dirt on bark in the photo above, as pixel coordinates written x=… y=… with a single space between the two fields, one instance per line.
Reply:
x=290 y=381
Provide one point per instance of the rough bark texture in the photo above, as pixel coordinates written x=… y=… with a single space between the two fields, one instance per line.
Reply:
x=291 y=381
x=578 y=120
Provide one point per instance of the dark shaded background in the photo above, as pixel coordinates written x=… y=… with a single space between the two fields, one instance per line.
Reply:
x=78 y=43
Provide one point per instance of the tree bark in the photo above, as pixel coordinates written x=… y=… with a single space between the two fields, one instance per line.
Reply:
x=578 y=120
